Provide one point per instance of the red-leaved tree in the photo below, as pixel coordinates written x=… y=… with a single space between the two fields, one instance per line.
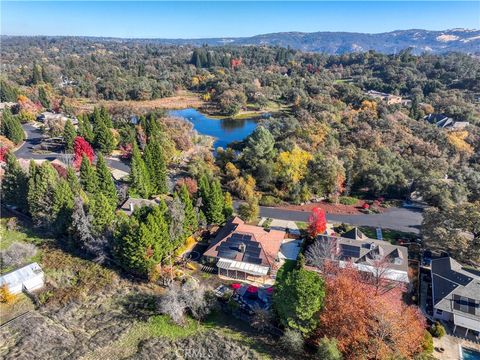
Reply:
x=317 y=222
x=81 y=147
x=3 y=152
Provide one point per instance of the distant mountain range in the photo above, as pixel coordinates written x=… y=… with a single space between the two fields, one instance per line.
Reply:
x=461 y=40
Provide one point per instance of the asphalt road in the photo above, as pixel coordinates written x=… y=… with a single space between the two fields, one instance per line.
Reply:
x=35 y=137
x=401 y=219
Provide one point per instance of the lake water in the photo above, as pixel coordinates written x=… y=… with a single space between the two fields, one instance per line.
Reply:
x=224 y=131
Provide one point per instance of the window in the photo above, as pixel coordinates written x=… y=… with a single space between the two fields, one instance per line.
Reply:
x=439 y=312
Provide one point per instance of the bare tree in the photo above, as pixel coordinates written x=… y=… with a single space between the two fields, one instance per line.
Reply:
x=172 y=304
x=321 y=251
x=382 y=277
x=262 y=319
x=177 y=219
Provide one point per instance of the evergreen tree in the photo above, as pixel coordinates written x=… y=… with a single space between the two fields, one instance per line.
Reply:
x=85 y=128
x=73 y=182
x=155 y=162
x=43 y=98
x=102 y=213
x=227 y=205
x=107 y=120
x=14 y=186
x=105 y=182
x=69 y=135
x=41 y=191
x=11 y=127
x=104 y=140
x=37 y=74
x=63 y=200
x=8 y=93
x=139 y=178
x=88 y=178
x=191 y=221
x=214 y=206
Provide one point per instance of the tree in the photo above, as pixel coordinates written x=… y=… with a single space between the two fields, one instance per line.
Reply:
x=88 y=177
x=292 y=342
x=291 y=166
x=212 y=199
x=105 y=182
x=227 y=205
x=177 y=222
x=63 y=200
x=322 y=252
x=41 y=189
x=455 y=229
x=85 y=128
x=11 y=127
x=155 y=163
x=139 y=177
x=250 y=210
x=102 y=212
x=36 y=74
x=298 y=298
x=317 y=222
x=260 y=148
x=73 y=182
x=82 y=147
x=69 y=135
x=14 y=186
x=104 y=140
x=81 y=227
x=43 y=97
x=328 y=350
x=191 y=221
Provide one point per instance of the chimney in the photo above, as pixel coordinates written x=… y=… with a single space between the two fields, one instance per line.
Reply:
x=242 y=247
x=132 y=207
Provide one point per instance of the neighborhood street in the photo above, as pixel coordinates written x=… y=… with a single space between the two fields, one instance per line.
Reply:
x=35 y=137
x=401 y=219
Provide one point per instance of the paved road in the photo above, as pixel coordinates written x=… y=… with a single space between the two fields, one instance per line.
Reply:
x=401 y=219
x=35 y=137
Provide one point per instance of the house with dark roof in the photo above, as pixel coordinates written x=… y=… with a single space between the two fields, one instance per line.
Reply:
x=440 y=120
x=245 y=252
x=377 y=257
x=456 y=294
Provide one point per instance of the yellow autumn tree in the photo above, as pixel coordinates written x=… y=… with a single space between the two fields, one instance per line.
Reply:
x=291 y=166
x=5 y=295
x=457 y=139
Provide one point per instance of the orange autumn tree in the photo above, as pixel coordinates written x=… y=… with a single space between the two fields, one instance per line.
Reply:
x=317 y=222
x=367 y=325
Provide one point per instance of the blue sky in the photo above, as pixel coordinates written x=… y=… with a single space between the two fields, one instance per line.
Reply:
x=221 y=19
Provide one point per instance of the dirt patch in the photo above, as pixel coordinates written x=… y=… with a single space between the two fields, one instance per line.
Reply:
x=181 y=100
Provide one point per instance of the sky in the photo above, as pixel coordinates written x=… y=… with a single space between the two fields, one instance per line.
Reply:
x=229 y=18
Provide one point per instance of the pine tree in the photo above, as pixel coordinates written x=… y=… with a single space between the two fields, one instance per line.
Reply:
x=69 y=135
x=43 y=98
x=41 y=191
x=104 y=140
x=139 y=178
x=215 y=204
x=73 y=182
x=88 y=178
x=191 y=221
x=102 y=213
x=62 y=207
x=105 y=182
x=155 y=162
x=107 y=120
x=14 y=186
x=11 y=127
x=37 y=74
x=85 y=128
x=227 y=205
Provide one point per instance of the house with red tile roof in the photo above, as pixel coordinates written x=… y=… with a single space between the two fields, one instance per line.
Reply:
x=245 y=252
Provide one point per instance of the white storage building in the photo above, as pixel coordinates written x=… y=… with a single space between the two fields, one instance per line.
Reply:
x=30 y=277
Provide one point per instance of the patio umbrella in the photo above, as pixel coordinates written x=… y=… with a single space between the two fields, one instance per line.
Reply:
x=236 y=286
x=252 y=289
x=270 y=290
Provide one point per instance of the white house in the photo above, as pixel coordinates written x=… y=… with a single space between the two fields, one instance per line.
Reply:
x=29 y=278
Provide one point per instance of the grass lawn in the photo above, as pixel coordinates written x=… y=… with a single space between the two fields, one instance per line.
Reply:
x=7 y=237
x=301 y=225
x=389 y=235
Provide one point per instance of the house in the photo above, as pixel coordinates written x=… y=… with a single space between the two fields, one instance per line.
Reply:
x=131 y=203
x=6 y=105
x=245 y=252
x=377 y=257
x=48 y=117
x=389 y=99
x=456 y=294
x=28 y=278
x=440 y=120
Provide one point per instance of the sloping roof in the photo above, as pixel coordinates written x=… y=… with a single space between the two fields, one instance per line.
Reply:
x=132 y=203
x=21 y=275
x=363 y=252
x=269 y=241
x=452 y=285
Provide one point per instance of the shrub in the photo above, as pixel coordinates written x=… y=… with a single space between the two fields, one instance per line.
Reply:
x=328 y=350
x=348 y=200
x=292 y=341
x=6 y=296
x=17 y=254
x=437 y=330
x=269 y=200
x=427 y=343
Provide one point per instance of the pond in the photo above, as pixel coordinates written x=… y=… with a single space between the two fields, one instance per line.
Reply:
x=224 y=131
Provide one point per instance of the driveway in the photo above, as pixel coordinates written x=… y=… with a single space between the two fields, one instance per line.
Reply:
x=401 y=219
x=35 y=137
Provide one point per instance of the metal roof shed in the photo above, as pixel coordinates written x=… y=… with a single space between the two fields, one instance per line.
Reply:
x=30 y=277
